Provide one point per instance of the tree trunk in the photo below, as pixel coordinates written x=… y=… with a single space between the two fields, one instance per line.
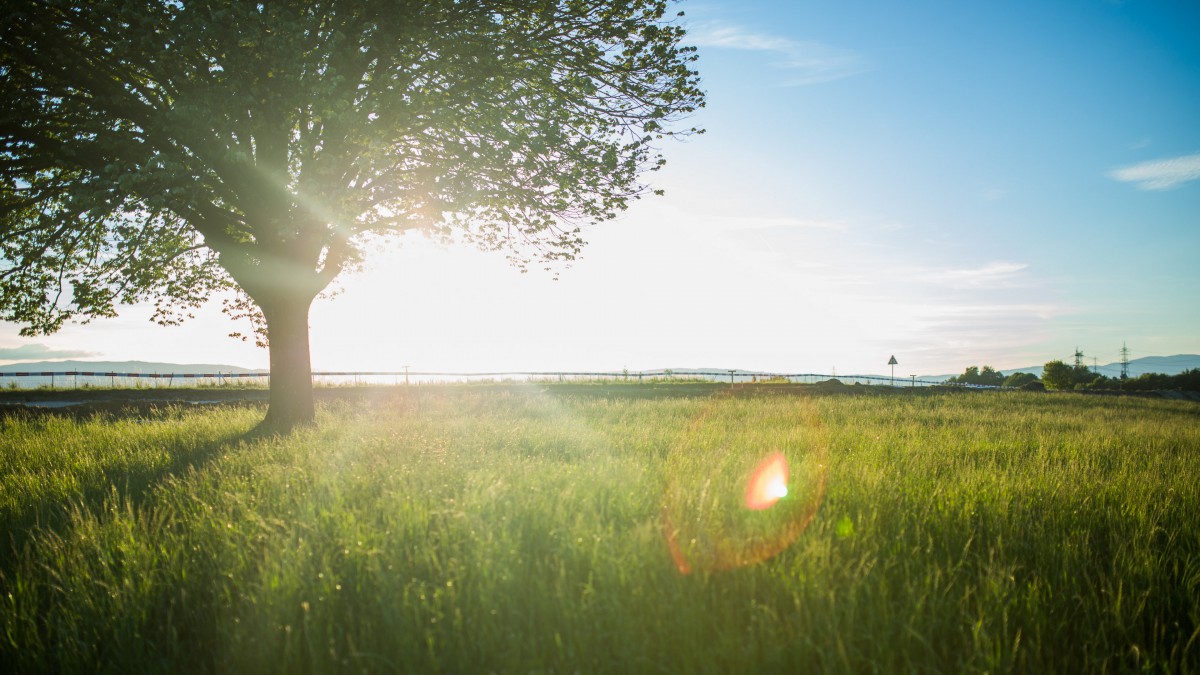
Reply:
x=291 y=398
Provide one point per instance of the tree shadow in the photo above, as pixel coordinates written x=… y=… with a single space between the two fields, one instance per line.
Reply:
x=26 y=519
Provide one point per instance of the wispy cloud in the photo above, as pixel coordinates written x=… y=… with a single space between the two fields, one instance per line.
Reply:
x=807 y=62
x=975 y=326
x=1160 y=174
x=998 y=274
x=36 y=352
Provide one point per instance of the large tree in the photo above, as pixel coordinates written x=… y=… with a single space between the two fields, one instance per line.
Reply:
x=1058 y=375
x=169 y=150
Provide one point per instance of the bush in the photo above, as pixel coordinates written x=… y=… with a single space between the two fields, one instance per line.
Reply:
x=1020 y=379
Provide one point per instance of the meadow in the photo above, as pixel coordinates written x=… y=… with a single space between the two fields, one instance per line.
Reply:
x=597 y=528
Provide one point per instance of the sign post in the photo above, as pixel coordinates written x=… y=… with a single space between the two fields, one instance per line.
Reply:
x=892 y=362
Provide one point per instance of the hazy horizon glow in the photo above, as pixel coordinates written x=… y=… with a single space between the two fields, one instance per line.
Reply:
x=956 y=185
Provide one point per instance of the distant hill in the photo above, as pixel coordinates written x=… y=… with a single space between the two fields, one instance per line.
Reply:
x=1167 y=365
x=123 y=367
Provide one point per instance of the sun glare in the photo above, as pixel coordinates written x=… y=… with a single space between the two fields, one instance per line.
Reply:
x=768 y=483
x=778 y=489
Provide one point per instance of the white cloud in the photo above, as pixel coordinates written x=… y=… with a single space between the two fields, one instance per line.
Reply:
x=1160 y=174
x=808 y=62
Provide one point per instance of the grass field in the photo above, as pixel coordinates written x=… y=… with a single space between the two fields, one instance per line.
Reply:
x=525 y=529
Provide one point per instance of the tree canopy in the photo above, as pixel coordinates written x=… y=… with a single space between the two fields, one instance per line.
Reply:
x=1062 y=376
x=1058 y=375
x=973 y=375
x=166 y=150
x=1020 y=379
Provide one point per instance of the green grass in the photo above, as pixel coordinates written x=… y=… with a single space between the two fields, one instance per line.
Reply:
x=520 y=529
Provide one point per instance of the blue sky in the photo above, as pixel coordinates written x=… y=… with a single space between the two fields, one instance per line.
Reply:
x=953 y=183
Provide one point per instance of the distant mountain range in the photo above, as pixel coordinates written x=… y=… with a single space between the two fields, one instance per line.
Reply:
x=123 y=367
x=1168 y=365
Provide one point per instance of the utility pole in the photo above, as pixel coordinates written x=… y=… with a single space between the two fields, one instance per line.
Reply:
x=1078 y=358
x=1124 y=361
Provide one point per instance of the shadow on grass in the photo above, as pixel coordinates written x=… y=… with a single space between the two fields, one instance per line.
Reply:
x=23 y=521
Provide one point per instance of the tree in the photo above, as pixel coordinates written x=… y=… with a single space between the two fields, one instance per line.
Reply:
x=990 y=377
x=169 y=150
x=973 y=375
x=1058 y=375
x=1020 y=379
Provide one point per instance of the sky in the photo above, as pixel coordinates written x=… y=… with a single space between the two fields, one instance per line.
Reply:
x=950 y=183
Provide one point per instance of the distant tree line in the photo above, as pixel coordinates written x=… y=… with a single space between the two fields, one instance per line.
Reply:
x=990 y=377
x=1059 y=375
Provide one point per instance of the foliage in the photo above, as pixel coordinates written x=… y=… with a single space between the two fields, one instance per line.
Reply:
x=1188 y=380
x=987 y=377
x=152 y=148
x=1058 y=375
x=162 y=150
x=1020 y=379
x=516 y=529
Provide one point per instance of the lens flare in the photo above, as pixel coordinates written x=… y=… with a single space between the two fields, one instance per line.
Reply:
x=744 y=480
x=768 y=483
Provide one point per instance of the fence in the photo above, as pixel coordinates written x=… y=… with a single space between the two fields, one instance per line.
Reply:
x=75 y=379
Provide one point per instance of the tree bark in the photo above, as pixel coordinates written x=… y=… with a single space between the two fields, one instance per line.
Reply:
x=291 y=398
